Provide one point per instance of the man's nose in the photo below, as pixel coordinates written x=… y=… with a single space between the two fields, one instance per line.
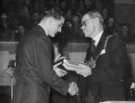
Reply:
x=81 y=27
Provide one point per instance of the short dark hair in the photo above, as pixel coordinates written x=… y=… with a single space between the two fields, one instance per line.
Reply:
x=55 y=13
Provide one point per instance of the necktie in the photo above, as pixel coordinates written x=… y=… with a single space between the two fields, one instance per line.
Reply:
x=93 y=49
x=91 y=55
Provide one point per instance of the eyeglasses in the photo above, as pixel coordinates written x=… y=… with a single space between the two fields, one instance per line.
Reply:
x=60 y=27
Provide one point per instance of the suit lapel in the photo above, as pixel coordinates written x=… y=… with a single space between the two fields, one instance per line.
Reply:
x=46 y=39
x=101 y=43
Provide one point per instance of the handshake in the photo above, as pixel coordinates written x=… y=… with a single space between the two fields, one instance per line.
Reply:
x=73 y=89
x=81 y=69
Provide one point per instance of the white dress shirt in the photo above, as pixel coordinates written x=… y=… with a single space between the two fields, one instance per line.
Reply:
x=97 y=38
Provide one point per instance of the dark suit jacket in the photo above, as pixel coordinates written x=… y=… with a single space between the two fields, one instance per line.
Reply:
x=34 y=72
x=107 y=78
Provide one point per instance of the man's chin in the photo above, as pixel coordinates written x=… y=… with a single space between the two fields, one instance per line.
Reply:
x=52 y=35
x=86 y=36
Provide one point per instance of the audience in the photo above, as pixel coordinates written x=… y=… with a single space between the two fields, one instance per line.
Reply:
x=29 y=12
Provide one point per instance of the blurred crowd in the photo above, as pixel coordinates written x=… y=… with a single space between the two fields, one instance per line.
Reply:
x=19 y=15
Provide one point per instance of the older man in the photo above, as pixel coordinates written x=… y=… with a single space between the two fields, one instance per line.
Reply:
x=107 y=58
x=34 y=72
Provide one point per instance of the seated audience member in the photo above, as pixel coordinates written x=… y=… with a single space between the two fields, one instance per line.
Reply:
x=111 y=26
x=126 y=33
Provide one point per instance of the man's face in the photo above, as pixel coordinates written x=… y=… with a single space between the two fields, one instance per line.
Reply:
x=56 y=26
x=87 y=26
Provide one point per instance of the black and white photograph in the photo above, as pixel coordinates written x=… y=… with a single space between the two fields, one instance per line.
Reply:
x=67 y=51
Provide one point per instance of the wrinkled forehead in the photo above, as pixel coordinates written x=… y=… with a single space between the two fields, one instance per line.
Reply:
x=85 y=17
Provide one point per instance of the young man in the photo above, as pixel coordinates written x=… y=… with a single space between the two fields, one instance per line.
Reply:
x=109 y=60
x=34 y=59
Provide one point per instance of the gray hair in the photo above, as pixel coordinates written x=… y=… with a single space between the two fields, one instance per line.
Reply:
x=95 y=14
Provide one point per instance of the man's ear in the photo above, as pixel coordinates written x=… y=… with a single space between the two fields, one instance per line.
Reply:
x=50 y=20
x=96 y=21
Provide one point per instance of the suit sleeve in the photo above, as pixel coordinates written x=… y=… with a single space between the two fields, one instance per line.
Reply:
x=46 y=73
x=112 y=67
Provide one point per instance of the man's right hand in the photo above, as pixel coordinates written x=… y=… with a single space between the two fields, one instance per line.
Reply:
x=60 y=72
x=73 y=89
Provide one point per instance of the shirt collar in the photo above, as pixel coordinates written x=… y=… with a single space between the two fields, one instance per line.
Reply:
x=56 y=58
x=46 y=31
x=97 y=38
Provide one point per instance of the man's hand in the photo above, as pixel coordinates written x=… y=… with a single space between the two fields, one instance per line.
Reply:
x=60 y=72
x=81 y=69
x=73 y=89
x=84 y=70
x=59 y=58
x=69 y=66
